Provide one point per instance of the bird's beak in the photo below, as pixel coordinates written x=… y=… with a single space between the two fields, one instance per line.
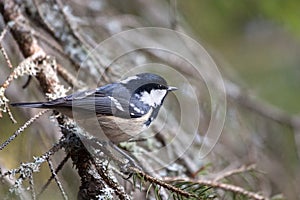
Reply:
x=170 y=88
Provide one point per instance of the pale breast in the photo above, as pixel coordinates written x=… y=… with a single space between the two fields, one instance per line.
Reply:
x=113 y=128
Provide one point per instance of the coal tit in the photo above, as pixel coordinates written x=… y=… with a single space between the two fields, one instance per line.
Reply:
x=122 y=109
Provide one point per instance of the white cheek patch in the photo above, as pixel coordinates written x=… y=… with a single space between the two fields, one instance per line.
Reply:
x=153 y=98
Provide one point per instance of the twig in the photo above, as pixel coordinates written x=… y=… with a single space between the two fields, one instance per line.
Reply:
x=3 y=33
x=11 y=117
x=235 y=171
x=56 y=147
x=59 y=167
x=22 y=128
x=26 y=67
x=3 y=50
x=10 y=180
x=56 y=179
x=26 y=171
x=5 y=56
x=162 y=183
x=109 y=180
x=45 y=156
x=31 y=186
x=224 y=186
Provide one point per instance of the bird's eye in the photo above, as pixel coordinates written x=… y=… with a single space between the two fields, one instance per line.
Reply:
x=160 y=86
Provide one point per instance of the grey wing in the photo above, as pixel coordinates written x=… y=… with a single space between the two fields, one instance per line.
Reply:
x=86 y=101
x=99 y=101
x=105 y=100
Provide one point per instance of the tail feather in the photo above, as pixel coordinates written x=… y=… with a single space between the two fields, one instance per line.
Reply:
x=30 y=105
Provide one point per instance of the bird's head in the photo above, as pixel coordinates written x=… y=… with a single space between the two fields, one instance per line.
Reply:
x=149 y=89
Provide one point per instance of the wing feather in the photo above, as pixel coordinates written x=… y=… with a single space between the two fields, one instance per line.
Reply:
x=98 y=100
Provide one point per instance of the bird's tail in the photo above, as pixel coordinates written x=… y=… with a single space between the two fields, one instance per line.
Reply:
x=30 y=105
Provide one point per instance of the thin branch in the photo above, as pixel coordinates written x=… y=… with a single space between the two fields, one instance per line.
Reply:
x=224 y=186
x=3 y=50
x=162 y=183
x=56 y=180
x=10 y=181
x=109 y=180
x=31 y=185
x=56 y=147
x=59 y=167
x=3 y=33
x=26 y=67
x=22 y=128
x=11 y=117
x=242 y=169
x=38 y=160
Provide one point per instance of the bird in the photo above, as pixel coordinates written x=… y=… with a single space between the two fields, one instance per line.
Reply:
x=119 y=110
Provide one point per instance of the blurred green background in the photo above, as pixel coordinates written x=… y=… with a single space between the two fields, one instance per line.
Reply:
x=260 y=40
